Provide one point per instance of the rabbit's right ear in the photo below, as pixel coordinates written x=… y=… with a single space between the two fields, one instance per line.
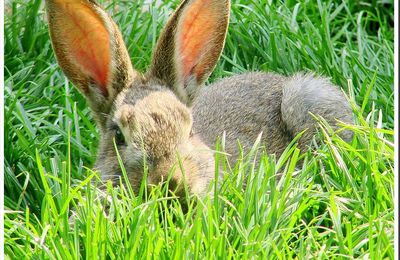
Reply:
x=190 y=46
x=90 y=50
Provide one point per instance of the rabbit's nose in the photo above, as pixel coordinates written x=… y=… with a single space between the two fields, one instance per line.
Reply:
x=169 y=182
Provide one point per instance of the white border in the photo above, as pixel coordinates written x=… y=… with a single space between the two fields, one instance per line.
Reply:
x=2 y=130
x=396 y=128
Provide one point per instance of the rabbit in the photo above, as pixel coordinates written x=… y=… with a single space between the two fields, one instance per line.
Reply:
x=165 y=118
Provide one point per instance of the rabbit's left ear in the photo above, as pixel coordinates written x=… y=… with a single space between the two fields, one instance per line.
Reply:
x=190 y=46
x=90 y=50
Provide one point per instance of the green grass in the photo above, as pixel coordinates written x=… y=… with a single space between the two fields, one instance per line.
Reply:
x=338 y=203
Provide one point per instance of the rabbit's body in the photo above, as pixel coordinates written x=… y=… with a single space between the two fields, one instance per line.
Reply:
x=217 y=108
x=148 y=119
x=243 y=106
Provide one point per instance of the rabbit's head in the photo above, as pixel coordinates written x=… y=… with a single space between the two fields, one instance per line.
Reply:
x=146 y=118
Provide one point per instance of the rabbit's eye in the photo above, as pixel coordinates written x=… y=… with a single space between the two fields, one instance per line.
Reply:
x=119 y=137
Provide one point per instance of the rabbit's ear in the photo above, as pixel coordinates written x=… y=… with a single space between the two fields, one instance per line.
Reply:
x=90 y=50
x=190 y=45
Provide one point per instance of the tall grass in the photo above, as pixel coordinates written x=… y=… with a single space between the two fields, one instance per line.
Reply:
x=337 y=204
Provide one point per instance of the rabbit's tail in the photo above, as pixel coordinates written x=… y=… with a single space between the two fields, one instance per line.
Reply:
x=306 y=93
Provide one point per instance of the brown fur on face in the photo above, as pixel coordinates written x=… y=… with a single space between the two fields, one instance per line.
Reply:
x=158 y=122
x=156 y=127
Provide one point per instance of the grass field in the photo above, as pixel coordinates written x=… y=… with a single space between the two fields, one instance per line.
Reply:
x=337 y=204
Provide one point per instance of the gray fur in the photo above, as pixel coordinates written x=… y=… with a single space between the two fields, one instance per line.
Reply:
x=305 y=94
x=243 y=106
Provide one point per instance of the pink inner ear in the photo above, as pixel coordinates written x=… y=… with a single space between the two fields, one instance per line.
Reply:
x=198 y=27
x=87 y=41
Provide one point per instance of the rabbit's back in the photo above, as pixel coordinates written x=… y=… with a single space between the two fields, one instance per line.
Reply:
x=279 y=107
x=242 y=106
